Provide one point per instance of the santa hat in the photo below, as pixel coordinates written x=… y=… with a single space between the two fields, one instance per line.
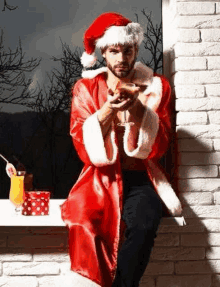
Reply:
x=109 y=29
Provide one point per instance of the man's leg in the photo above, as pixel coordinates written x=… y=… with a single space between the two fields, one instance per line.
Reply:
x=142 y=213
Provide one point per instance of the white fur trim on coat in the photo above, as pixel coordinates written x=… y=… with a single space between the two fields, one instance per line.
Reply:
x=90 y=74
x=147 y=134
x=73 y=279
x=132 y=33
x=164 y=188
x=95 y=144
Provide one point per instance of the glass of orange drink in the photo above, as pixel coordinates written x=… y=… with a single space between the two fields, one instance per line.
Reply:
x=17 y=192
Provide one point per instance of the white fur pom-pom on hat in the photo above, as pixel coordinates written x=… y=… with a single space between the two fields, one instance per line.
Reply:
x=88 y=60
x=109 y=29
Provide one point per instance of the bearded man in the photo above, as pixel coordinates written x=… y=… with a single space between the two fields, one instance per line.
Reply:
x=120 y=125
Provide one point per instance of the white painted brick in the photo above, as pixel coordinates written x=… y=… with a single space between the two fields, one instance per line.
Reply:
x=187 y=105
x=167 y=240
x=191 y=118
x=197 y=77
x=194 y=240
x=197 y=171
x=197 y=49
x=197 y=131
x=147 y=281
x=69 y=280
x=211 y=225
x=218 y=8
x=212 y=211
x=49 y=256
x=199 y=159
x=217 y=197
x=159 y=268
x=201 y=8
x=29 y=268
x=210 y=35
x=198 y=267
x=37 y=241
x=213 y=90
x=14 y=256
x=213 y=239
x=213 y=253
x=189 y=64
x=206 y=239
x=197 y=198
x=185 y=281
x=202 y=144
x=178 y=253
x=214 y=117
x=214 y=63
x=200 y=104
x=51 y=281
x=188 y=36
x=17 y=281
x=191 y=91
x=216 y=144
x=191 y=227
x=201 y=184
x=198 y=22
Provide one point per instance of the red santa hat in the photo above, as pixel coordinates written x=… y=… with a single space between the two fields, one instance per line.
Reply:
x=109 y=29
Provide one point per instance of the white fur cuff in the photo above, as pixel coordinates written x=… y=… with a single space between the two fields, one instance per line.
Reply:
x=95 y=144
x=147 y=134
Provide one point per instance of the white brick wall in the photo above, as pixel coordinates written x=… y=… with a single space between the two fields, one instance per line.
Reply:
x=195 y=72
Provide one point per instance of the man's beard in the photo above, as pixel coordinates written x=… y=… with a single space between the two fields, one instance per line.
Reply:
x=124 y=72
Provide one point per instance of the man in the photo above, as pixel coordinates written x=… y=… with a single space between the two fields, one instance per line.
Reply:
x=120 y=126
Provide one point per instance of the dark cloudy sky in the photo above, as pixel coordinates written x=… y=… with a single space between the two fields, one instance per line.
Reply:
x=41 y=24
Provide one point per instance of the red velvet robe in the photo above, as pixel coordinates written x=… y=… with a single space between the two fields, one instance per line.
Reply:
x=93 y=208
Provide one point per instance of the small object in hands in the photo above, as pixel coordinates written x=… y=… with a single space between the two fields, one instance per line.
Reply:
x=10 y=169
x=17 y=193
x=129 y=88
x=36 y=203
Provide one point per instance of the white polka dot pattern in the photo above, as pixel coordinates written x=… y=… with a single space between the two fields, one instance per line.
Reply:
x=36 y=203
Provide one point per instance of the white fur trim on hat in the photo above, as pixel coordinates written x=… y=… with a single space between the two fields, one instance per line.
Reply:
x=132 y=33
x=88 y=60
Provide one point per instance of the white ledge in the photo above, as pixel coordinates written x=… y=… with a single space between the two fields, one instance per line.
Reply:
x=9 y=218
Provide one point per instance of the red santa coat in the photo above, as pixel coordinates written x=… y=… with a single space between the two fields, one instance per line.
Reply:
x=93 y=208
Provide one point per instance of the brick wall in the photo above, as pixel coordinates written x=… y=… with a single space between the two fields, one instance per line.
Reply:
x=190 y=256
x=34 y=257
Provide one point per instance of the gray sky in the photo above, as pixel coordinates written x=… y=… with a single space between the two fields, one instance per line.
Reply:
x=41 y=23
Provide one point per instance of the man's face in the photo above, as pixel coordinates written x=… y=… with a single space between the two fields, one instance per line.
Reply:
x=120 y=59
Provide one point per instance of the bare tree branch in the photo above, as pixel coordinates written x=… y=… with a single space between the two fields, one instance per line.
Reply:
x=14 y=84
x=153 y=43
x=9 y=7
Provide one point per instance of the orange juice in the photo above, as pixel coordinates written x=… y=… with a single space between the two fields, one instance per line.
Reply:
x=17 y=195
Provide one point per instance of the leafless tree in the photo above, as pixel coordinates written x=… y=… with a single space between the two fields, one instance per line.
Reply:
x=9 y=7
x=14 y=82
x=153 y=43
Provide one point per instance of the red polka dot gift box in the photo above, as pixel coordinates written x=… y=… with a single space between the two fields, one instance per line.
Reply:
x=36 y=203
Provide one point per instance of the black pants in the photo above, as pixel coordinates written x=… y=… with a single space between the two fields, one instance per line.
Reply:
x=142 y=212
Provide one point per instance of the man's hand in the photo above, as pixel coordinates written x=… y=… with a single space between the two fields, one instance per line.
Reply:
x=124 y=97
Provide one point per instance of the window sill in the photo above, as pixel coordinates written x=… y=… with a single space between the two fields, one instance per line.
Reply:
x=9 y=218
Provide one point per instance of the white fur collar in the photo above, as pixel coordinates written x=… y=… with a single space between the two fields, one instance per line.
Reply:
x=143 y=75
